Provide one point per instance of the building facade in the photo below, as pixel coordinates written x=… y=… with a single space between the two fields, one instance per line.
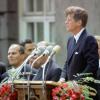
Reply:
x=41 y=20
x=8 y=26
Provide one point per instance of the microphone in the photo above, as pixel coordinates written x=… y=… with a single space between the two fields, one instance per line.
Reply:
x=55 y=50
x=48 y=50
x=38 y=51
x=51 y=49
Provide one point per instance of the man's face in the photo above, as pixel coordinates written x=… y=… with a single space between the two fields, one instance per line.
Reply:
x=39 y=61
x=29 y=47
x=14 y=57
x=71 y=24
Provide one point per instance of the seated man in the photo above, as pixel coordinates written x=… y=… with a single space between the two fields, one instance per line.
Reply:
x=52 y=70
x=15 y=59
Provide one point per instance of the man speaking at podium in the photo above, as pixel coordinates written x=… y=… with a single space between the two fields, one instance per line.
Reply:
x=82 y=49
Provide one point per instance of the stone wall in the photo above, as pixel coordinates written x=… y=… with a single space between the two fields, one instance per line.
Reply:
x=8 y=26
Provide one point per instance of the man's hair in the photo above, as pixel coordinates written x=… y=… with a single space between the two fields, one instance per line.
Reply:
x=78 y=14
x=25 y=42
x=21 y=50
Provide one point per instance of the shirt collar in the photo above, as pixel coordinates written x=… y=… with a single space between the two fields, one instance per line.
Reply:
x=78 y=34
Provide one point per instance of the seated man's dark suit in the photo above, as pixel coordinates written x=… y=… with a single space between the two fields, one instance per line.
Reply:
x=83 y=58
x=52 y=72
x=26 y=68
x=2 y=69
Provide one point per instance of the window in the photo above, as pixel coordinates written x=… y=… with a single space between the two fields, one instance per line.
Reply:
x=30 y=30
x=50 y=5
x=35 y=31
x=34 y=5
x=37 y=20
x=30 y=6
x=52 y=31
x=39 y=6
x=40 y=32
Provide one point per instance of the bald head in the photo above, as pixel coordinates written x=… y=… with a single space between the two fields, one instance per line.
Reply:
x=15 y=55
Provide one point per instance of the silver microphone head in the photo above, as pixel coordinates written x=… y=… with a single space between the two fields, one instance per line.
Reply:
x=48 y=50
x=56 y=48
x=38 y=51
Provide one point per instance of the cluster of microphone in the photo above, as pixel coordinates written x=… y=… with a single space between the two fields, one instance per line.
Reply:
x=42 y=50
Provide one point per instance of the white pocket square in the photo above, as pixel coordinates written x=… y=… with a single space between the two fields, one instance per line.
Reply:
x=76 y=53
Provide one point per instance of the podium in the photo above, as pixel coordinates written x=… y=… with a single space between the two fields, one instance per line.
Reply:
x=34 y=90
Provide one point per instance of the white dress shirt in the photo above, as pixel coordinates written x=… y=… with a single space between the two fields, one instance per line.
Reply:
x=78 y=34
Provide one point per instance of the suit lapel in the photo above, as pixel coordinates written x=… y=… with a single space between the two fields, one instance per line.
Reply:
x=40 y=71
x=71 y=50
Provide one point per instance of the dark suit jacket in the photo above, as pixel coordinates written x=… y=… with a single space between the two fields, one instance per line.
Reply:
x=52 y=72
x=26 y=68
x=2 y=69
x=83 y=58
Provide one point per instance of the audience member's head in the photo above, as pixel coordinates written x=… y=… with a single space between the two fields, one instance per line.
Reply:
x=29 y=46
x=15 y=55
x=98 y=41
x=42 y=43
x=39 y=62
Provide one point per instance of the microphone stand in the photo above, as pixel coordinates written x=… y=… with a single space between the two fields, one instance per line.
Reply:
x=12 y=85
x=43 y=74
x=28 y=86
x=29 y=74
x=55 y=49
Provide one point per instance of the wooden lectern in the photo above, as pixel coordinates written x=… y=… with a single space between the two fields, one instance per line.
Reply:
x=35 y=89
